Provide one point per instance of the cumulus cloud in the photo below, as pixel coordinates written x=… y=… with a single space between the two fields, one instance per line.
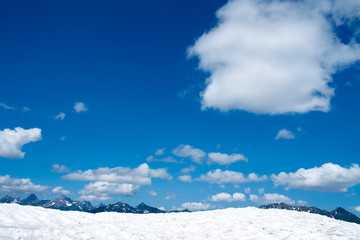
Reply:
x=59 y=168
x=226 y=197
x=11 y=141
x=186 y=170
x=221 y=177
x=19 y=185
x=80 y=107
x=60 y=190
x=285 y=134
x=122 y=181
x=194 y=206
x=268 y=198
x=329 y=177
x=195 y=154
x=275 y=57
x=141 y=175
x=185 y=178
x=225 y=159
x=60 y=116
x=3 y=105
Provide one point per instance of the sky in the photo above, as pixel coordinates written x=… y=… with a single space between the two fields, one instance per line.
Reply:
x=181 y=104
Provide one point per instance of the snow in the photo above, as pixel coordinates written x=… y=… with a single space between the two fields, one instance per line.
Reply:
x=27 y=222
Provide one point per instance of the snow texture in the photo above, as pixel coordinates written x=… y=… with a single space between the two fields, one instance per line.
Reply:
x=27 y=222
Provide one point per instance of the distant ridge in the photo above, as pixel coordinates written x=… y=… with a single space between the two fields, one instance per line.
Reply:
x=338 y=213
x=66 y=204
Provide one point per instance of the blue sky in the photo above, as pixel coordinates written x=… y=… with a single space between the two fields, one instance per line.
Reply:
x=180 y=103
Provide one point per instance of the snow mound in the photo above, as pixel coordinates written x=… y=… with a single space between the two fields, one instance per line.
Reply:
x=27 y=222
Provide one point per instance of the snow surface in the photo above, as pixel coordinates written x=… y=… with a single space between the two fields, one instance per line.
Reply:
x=27 y=222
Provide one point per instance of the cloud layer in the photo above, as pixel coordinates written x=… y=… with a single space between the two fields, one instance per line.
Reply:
x=221 y=177
x=329 y=177
x=11 y=141
x=271 y=198
x=274 y=57
x=19 y=185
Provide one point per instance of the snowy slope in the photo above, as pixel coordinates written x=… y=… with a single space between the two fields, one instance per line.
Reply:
x=27 y=222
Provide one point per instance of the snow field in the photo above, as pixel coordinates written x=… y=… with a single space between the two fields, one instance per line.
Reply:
x=27 y=222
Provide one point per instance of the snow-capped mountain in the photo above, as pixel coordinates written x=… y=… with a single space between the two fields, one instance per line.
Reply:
x=338 y=213
x=65 y=203
x=116 y=207
x=9 y=199
x=143 y=208
x=32 y=200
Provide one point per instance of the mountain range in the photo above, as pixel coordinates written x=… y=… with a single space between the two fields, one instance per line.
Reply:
x=67 y=204
x=338 y=213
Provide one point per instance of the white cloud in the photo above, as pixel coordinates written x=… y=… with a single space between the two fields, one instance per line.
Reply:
x=225 y=159
x=170 y=196
x=104 y=189
x=268 y=198
x=159 y=152
x=59 y=168
x=195 y=154
x=185 y=178
x=3 y=105
x=357 y=208
x=247 y=190
x=103 y=197
x=60 y=190
x=186 y=170
x=302 y=202
x=274 y=57
x=152 y=193
x=329 y=177
x=167 y=159
x=194 y=206
x=261 y=190
x=60 y=116
x=285 y=134
x=11 y=141
x=220 y=177
x=80 y=107
x=19 y=185
x=226 y=197
x=141 y=175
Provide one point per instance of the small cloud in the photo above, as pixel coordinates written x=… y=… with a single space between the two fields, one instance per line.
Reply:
x=348 y=84
x=194 y=206
x=195 y=154
x=186 y=170
x=221 y=177
x=226 y=197
x=19 y=185
x=302 y=202
x=59 y=168
x=225 y=159
x=299 y=129
x=185 y=178
x=60 y=116
x=271 y=198
x=26 y=109
x=247 y=190
x=60 y=190
x=152 y=193
x=62 y=138
x=159 y=152
x=167 y=159
x=261 y=190
x=222 y=186
x=80 y=107
x=3 y=105
x=170 y=196
x=218 y=146
x=357 y=208
x=12 y=141
x=285 y=134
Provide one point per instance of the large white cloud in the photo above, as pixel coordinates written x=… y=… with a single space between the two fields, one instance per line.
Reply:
x=329 y=177
x=19 y=185
x=225 y=159
x=11 y=141
x=274 y=57
x=122 y=181
x=196 y=155
x=226 y=197
x=221 y=177
x=271 y=198
x=194 y=206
